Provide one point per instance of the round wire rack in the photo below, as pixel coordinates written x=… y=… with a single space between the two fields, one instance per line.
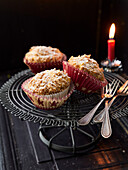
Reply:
x=59 y=128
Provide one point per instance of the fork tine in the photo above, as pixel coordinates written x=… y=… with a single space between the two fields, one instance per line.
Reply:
x=108 y=87
x=113 y=82
x=121 y=89
x=116 y=84
x=125 y=90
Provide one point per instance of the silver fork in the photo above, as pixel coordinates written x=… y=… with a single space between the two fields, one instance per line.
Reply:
x=123 y=91
x=110 y=90
x=106 y=129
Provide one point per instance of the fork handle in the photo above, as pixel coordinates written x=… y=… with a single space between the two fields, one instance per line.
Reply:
x=106 y=129
x=87 y=118
x=99 y=116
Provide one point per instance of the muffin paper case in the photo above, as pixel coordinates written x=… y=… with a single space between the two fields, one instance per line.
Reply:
x=48 y=102
x=82 y=80
x=38 y=67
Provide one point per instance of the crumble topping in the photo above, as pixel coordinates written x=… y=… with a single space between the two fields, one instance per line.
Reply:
x=40 y=54
x=88 y=65
x=49 y=82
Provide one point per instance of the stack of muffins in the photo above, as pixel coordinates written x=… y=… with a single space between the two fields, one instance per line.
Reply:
x=50 y=88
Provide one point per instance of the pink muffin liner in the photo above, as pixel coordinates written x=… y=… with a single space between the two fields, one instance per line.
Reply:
x=82 y=80
x=38 y=67
x=47 y=102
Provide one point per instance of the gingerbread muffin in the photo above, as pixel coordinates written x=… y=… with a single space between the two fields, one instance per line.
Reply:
x=40 y=58
x=85 y=73
x=48 y=89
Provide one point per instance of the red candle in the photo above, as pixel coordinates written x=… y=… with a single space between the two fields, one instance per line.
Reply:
x=111 y=43
x=111 y=49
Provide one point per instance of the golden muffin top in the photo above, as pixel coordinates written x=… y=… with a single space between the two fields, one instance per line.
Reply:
x=87 y=64
x=40 y=54
x=49 y=82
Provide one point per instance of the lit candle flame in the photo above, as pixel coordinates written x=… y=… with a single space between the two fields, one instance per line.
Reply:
x=112 y=31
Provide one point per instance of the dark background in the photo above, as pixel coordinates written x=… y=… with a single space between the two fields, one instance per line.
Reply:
x=74 y=26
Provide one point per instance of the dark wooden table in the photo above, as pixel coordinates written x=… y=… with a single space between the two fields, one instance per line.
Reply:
x=22 y=149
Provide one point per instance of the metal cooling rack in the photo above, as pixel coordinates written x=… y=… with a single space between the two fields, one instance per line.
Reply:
x=55 y=124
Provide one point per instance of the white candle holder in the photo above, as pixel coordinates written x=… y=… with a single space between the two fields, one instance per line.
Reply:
x=112 y=66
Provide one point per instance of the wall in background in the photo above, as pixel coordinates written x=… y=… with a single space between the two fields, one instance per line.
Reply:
x=115 y=11
x=69 y=25
x=74 y=26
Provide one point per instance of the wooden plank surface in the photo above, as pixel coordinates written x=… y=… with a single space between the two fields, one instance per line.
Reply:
x=7 y=158
x=21 y=148
x=110 y=152
x=41 y=151
x=25 y=151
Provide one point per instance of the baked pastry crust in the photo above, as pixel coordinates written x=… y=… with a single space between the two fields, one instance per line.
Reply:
x=41 y=54
x=40 y=58
x=49 y=82
x=86 y=64
x=48 y=89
